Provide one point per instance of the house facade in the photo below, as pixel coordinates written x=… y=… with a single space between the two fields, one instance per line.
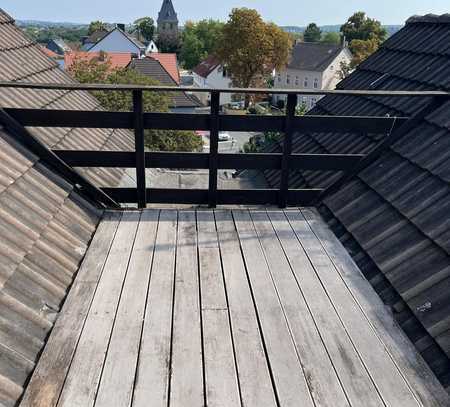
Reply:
x=151 y=47
x=211 y=74
x=117 y=40
x=312 y=66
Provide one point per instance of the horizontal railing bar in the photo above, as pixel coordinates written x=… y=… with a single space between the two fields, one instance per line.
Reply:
x=72 y=118
x=111 y=87
x=251 y=123
x=296 y=197
x=185 y=121
x=324 y=162
x=181 y=160
x=177 y=121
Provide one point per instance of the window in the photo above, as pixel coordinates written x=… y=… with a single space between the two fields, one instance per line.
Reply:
x=224 y=72
x=313 y=102
x=316 y=83
x=305 y=82
x=296 y=81
x=288 y=79
x=331 y=67
x=279 y=77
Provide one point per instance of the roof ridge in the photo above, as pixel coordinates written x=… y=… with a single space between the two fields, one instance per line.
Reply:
x=7 y=17
x=430 y=18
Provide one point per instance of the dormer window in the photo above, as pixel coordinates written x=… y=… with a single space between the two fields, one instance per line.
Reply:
x=288 y=79
x=316 y=83
x=305 y=82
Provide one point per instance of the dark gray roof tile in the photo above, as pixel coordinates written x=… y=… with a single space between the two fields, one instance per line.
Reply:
x=396 y=210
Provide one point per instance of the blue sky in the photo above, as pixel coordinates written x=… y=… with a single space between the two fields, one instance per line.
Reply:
x=282 y=12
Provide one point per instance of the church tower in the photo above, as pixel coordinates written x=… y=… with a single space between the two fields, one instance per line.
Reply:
x=167 y=19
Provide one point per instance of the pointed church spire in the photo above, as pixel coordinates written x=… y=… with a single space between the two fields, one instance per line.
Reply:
x=167 y=18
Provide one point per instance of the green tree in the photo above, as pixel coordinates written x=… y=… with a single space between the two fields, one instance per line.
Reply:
x=98 y=70
x=361 y=27
x=251 y=49
x=169 y=42
x=199 y=40
x=192 y=51
x=331 y=38
x=312 y=33
x=146 y=27
x=364 y=34
x=96 y=26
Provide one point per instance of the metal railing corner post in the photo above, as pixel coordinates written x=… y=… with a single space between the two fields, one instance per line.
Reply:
x=138 y=113
x=213 y=148
x=287 y=149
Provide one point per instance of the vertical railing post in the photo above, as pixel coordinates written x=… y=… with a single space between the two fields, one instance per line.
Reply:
x=138 y=110
x=287 y=149
x=213 y=148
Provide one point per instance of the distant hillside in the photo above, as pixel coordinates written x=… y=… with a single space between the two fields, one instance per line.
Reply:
x=391 y=29
x=48 y=24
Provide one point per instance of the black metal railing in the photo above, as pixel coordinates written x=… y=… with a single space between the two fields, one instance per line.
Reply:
x=214 y=122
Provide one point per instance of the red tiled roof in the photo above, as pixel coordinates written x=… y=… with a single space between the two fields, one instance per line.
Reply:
x=205 y=67
x=50 y=53
x=169 y=62
x=117 y=59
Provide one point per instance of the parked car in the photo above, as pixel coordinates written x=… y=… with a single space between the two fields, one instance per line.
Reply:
x=224 y=136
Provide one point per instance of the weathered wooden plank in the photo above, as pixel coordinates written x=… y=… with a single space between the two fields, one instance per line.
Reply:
x=48 y=378
x=221 y=380
x=415 y=370
x=152 y=380
x=187 y=366
x=286 y=368
x=84 y=374
x=254 y=375
x=390 y=383
x=323 y=381
x=117 y=382
x=347 y=364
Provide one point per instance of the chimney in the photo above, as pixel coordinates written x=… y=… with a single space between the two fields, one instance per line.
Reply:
x=121 y=26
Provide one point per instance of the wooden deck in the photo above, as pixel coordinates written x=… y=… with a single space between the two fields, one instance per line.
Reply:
x=225 y=308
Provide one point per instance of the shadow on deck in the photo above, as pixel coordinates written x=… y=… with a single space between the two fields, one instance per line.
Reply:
x=225 y=308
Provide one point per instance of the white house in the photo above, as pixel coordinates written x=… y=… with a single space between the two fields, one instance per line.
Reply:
x=117 y=40
x=312 y=66
x=211 y=74
x=151 y=47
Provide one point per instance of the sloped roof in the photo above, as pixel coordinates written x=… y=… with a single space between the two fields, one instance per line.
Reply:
x=135 y=41
x=169 y=62
x=21 y=59
x=96 y=36
x=116 y=59
x=50 y=53
x=313 y=56
x=61 y=44
x=394 y=215
x=152 y=68
x=45 y=225
x=206 y=67
x=167 y=12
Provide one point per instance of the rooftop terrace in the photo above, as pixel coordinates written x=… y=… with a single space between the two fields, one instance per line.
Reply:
x=225 y=308
x=100 y=305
